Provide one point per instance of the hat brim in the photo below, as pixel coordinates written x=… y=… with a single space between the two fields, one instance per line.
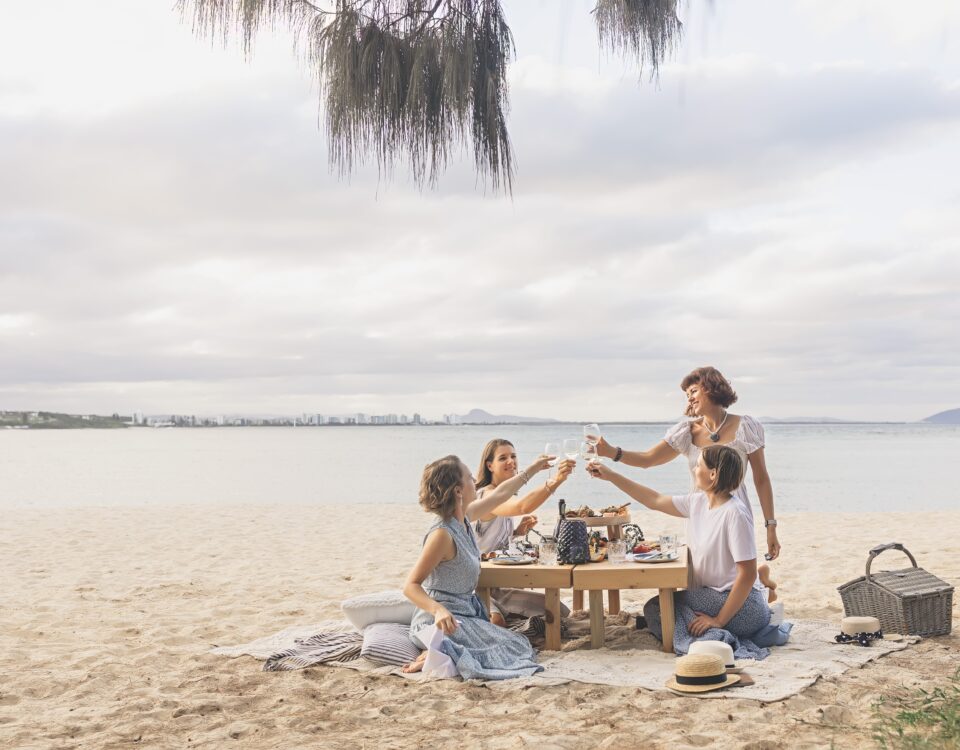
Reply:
x=674 y=685
x=736 y=668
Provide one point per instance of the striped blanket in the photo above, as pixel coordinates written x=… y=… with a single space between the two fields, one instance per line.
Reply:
x=334 y=644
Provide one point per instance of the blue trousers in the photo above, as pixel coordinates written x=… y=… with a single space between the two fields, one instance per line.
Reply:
x=753 y=617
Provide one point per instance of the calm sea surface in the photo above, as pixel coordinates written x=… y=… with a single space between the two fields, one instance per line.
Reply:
x=878 y=467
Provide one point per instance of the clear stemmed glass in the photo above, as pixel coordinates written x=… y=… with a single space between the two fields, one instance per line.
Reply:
x=571 y=448
x=552 y=449
x=588 y=452
x=591 y=433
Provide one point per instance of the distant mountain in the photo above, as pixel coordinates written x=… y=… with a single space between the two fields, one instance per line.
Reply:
x=951 y=416
x=479 y=416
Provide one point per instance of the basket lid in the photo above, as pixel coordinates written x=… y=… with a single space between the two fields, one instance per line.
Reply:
x=910 y=582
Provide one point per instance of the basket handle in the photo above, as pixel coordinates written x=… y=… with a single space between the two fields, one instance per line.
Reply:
x=883 y=548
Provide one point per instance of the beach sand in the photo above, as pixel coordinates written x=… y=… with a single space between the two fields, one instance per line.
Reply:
x=107 y=615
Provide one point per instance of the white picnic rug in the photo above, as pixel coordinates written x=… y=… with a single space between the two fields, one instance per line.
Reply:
x=634 y=660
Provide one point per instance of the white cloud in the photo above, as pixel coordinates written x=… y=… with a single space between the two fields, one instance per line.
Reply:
x=171 y=239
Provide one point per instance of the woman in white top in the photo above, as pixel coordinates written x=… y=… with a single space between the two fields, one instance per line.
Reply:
x=709 y=394
x=495 y=528
x=724 y=600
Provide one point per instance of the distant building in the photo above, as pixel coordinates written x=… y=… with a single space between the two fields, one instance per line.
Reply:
x=392 y=419
x=417 y=419
x=362 y=419
x=333 y=420
x=138 y=417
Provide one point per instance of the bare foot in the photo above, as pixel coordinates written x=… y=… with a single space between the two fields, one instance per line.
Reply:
x=416 y=665
x=763 y=573
x=497 y=619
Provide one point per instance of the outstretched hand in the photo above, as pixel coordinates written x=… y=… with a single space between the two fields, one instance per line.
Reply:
x=605 y=449
x=542 y=462
x=600 y=471
x=563 y=471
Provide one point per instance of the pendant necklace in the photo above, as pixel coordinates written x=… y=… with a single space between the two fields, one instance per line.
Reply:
x=715 y=434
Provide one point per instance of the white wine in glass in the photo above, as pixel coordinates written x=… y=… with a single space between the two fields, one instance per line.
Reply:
x=571 y=448
x=591 y=433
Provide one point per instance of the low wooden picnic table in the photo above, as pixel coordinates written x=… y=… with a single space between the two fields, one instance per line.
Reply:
x=594 y=578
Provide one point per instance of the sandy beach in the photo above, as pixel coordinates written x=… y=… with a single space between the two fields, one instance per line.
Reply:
x=108 y=615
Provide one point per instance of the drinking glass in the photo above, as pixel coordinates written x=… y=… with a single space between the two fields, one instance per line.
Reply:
x=571 y=448
x=589 y=453
x=591 y=433
x=548 y=552
x=552 y=449
x=668 y=544
x=616 y=551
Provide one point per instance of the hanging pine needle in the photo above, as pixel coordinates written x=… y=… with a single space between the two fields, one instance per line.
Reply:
x=648 y=30
x=410 y=81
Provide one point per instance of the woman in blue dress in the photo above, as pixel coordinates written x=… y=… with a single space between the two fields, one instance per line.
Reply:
x=443 y=582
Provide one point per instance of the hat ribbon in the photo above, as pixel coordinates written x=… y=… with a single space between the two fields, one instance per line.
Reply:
x=712 y=679
x=862 y=639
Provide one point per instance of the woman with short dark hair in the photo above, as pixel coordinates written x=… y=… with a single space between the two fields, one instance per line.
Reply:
x=724 y=599
x=709 y=395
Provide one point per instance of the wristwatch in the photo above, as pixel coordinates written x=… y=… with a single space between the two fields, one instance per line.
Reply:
x=768 y=523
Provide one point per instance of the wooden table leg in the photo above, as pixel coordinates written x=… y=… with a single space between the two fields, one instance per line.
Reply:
x=667 y=618
x=484 y=596
x=577 y=599
x=613 y=595
x=596 y=619
x=552 y=617
x=613 y=598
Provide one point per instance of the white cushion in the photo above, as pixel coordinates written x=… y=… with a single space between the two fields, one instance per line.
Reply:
x=388 y=643
x=384 y=606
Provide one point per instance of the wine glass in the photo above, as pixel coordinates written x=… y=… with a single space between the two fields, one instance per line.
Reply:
x=588 y=452
x=571 y=448
x=591 y=433
x=552 y=449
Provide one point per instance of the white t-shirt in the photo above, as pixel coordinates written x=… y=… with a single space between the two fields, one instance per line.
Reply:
x=718 y=539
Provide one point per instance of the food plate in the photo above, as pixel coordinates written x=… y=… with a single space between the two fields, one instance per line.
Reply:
x=655 y=557
x=512 y=560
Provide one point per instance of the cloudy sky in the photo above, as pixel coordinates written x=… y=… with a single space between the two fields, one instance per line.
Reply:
x=784 y=205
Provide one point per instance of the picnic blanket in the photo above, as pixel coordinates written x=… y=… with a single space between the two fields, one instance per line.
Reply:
x=633 y=659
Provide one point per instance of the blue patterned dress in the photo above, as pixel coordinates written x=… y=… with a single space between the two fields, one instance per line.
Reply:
x=478 y=648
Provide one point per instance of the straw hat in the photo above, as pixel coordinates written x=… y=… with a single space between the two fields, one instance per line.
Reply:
x=854 y=625
x=699 y=673
x=717 y=648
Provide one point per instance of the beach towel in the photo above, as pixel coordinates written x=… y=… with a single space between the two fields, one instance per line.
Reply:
x=633 y=659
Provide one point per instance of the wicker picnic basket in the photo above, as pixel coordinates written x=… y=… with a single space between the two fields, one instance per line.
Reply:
x=910 y=601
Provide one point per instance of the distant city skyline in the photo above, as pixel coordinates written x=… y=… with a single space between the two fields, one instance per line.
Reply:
x=779 y=206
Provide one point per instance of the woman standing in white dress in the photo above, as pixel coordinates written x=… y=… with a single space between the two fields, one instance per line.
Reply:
x=709 y=394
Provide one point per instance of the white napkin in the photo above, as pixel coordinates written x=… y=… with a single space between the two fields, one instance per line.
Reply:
x=437 y=663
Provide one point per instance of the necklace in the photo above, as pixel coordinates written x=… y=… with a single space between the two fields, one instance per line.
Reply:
x=715 y=434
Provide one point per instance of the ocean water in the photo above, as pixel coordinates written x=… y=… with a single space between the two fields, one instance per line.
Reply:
x=861 y=468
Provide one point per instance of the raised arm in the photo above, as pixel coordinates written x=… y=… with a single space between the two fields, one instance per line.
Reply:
x=438 y=547
x=535 y=498
x=648 y=497
x=659 y=454
x=505 y=490
x=761 y=480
